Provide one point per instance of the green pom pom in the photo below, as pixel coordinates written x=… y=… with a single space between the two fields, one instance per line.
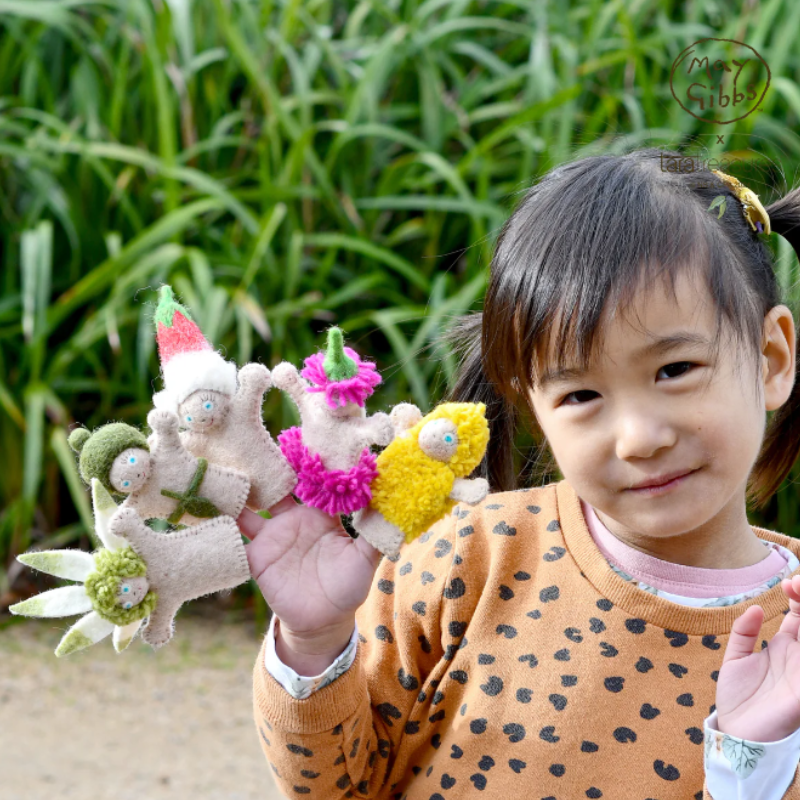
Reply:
x=99 y=449
x=113 y=566
x=337 y=365
x=78 y=438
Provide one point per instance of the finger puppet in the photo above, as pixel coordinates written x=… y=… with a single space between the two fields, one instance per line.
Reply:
x=222 y=421
x=330 y=451
x=138 y=578
x=422 y=473
x=162 y=480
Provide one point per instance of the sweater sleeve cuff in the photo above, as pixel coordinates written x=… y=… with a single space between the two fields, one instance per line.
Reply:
x=301 y=686
x=323 y=709
x=747 y=770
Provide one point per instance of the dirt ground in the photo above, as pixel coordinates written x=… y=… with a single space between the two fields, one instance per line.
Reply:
x=141 y=725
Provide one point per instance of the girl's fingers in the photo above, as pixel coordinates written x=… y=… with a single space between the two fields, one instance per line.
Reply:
x=744 y=634
x=282 y=506
x=250 y=523
x=791 y=622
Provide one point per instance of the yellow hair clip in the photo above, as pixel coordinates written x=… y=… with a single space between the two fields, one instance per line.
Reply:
x=754 y=212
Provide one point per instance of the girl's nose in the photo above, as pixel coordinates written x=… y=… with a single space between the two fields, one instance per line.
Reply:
x=642 y=435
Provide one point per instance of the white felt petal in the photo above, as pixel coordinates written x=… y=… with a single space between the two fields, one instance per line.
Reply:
x=85 y=632
x=74 y=565
x=123 y=635
x=104 y=510
x=63 y=602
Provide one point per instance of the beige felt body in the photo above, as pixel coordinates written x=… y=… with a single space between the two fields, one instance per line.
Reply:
x=241 y=441
x=173 y=468
x=183 y=565
x=340 y=435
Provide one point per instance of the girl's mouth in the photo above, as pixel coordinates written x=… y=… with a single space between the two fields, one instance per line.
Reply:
x=650 y=491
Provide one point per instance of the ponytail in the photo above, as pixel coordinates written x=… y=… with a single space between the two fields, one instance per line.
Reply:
x=781 y=445
x=472 y=386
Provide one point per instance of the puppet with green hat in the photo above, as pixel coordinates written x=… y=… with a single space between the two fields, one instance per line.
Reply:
x=158 y=477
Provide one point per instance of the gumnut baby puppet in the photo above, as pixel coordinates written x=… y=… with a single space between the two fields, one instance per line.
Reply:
x=423 y=473
x=330 y=452
x=159 y=476
x=222 y=421
x=137 y=578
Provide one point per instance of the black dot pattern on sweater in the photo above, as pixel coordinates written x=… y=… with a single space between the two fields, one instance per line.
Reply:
x=644 y=688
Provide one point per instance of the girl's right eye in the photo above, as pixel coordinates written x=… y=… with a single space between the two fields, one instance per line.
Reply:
x=188 y=418
x=574 y=394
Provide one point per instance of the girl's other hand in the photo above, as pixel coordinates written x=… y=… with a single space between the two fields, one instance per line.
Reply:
x=758 y=693
x=311 y=572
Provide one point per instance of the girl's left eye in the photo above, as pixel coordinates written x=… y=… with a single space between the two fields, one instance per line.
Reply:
x=448 y=438
x=132 y=460
x=126 y=589
x=688 y=364
x=209 y=406
x=128 y=605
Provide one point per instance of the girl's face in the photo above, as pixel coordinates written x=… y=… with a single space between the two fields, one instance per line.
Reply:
x=641 y=413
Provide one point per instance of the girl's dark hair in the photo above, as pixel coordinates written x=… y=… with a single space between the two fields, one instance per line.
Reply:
x=590 y=233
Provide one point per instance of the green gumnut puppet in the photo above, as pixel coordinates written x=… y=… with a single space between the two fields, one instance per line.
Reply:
x=140 y=577
x=222 y=420
x=160 y=478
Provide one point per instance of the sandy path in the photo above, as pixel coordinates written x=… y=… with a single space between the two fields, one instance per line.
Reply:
x=141 y=725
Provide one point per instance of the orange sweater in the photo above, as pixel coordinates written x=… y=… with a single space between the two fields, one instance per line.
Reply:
x=499 y=653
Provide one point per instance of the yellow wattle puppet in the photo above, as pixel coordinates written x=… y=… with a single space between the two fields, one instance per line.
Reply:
x=422 y=474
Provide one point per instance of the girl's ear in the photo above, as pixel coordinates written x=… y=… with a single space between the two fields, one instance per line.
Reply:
x=778 y=356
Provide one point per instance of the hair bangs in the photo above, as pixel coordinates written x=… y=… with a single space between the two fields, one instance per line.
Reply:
x=585 y=241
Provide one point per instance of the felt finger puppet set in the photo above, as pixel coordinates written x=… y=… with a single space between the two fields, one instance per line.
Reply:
x=208 y=456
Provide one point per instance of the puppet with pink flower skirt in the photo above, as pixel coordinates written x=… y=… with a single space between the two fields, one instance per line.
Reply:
x=331 y=452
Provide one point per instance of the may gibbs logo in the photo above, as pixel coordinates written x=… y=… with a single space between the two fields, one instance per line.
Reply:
x=719 y=80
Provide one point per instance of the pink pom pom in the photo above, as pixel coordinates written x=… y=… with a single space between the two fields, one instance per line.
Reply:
x=335 y=491
x=351 y=390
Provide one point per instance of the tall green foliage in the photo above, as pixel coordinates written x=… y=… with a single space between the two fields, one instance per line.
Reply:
x=288 y=164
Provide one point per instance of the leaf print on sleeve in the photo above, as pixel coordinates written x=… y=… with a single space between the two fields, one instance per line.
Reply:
x=742 y=755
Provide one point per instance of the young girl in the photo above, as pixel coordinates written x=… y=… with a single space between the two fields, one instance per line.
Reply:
x=591 y=637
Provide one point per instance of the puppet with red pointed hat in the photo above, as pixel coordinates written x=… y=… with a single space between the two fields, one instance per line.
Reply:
x=219 y=408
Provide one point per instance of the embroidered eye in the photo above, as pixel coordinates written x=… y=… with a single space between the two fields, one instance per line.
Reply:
x=128 y=604
x=208 y=406
x=448 y=438
x=126 y=589
x=132 y=460
x=126 y=484
x=188 y=417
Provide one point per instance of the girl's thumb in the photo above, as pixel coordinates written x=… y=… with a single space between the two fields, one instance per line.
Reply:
x=744 y=634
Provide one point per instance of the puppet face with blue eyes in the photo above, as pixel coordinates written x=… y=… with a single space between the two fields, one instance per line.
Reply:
x=130 y=470
x=203 y=410
x=439 y=439
x=131 y=592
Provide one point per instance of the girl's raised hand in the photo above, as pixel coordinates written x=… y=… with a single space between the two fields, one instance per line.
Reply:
x=311 y=572
x=758 y=693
